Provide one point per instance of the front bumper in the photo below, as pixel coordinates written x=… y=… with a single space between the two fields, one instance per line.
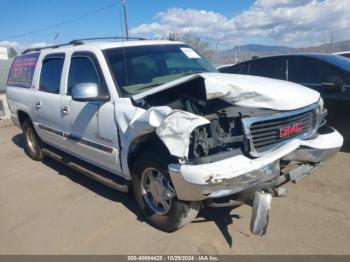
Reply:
x=238 y=173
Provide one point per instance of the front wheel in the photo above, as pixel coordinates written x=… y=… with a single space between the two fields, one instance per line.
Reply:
x=156 y=196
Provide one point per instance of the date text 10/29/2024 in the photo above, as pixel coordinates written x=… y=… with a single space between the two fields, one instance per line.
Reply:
x=174 y=258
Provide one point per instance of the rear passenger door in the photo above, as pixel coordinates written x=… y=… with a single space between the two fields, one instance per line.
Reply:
x=48 y=99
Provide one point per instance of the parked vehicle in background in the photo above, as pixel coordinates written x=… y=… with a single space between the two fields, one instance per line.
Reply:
x=156 y=117
x=327 y=73
x=344 y=53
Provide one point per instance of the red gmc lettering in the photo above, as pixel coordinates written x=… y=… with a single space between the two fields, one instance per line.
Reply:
x=291 y=130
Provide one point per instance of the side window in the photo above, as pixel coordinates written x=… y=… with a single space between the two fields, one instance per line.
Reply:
x=306 y=70
x=50 y=77
x=82 y=70
x=273 y=68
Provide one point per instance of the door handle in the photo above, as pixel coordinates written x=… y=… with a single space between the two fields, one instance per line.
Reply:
x=38 y=105
x=65 y=110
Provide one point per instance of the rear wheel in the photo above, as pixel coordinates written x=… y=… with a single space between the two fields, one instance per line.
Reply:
x=32 y=144
x=156 y=196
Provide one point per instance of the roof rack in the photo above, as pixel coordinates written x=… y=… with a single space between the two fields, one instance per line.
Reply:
x=110 y=38
x=36 y=49
x=80 y=42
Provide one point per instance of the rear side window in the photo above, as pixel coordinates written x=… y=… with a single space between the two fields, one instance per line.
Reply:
x=22 y=70
x=82 y=70
x=273 y=68
x=50 y=77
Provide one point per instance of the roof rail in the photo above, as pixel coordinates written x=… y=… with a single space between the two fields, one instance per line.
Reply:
x=110 y=38
x=36 y=49
x=80 y=42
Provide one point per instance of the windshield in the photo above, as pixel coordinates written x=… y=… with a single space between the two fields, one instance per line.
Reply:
x=347 y=55
x=140 y=68
x=340 y=61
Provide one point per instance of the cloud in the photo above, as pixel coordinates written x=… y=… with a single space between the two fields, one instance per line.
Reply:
x=19 y=47
x=15 y=45
x=291 y=22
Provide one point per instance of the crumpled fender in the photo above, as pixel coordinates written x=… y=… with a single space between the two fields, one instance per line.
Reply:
x=145 y=121
x=173 y=127
x=176 y=129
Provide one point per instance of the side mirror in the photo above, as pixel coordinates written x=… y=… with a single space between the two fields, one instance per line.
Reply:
x=86 y=92
x=334 y=84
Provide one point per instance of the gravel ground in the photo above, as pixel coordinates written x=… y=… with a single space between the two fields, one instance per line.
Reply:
x=46 y=208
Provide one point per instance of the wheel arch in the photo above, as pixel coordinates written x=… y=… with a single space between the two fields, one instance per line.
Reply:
x=22 y=116
x=149 y=142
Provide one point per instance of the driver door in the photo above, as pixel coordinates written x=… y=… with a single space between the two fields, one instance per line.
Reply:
x=82 y=118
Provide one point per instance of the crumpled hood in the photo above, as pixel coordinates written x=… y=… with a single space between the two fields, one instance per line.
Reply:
x=248 y=91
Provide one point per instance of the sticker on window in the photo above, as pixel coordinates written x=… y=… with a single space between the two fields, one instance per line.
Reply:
x=189 y=52
x=22 y=70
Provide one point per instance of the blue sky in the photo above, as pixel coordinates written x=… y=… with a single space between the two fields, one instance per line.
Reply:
x=284 y=22
x=36 y=14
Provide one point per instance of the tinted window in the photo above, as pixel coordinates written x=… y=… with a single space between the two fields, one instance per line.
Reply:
x=82 y=70
x=307 y=70
x=50 y=77
x=236 y=69
x=273 y=68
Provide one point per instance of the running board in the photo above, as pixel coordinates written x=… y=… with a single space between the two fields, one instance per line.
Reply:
x=104 y=177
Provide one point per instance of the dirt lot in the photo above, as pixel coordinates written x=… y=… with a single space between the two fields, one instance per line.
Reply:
x=46 y=208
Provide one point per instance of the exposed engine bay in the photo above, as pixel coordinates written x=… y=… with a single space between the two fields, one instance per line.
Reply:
x=223 y=134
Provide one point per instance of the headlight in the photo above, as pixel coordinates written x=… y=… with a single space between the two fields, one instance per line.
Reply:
x=321 y=102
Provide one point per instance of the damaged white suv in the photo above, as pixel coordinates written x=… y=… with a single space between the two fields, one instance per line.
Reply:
x=156 y=117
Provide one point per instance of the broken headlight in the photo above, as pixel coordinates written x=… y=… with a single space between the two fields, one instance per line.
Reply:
x=222 y=134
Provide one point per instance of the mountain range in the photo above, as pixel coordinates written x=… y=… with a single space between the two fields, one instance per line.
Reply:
x=245 y=52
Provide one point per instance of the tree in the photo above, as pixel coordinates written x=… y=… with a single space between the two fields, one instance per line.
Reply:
x=11 y=52
x=196 y=42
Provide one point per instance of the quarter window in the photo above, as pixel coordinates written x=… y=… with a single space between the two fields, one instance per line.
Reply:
x=82 y=70
x=50 y=77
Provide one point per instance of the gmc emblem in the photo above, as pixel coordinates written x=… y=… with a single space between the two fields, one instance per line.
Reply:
x=291 y=130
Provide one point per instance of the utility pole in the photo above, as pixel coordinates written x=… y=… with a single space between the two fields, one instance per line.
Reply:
x=331 y=42
x=217 y=53
x=235 y=54
x=125 y=18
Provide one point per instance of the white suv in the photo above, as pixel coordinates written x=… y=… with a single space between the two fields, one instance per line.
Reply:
x=156 y=117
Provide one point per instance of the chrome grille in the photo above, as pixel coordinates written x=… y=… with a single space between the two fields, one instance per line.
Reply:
x=264 y=133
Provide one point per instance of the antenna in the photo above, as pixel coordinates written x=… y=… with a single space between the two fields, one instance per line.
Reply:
x=125 y=18
x=55 y=38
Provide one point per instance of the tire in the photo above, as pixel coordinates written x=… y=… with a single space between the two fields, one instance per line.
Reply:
x=32 y=143
x=177 y=213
